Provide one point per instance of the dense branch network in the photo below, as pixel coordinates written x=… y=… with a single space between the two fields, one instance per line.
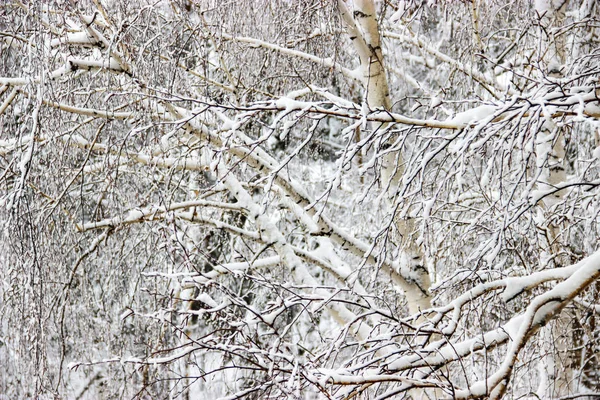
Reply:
x=278 y=223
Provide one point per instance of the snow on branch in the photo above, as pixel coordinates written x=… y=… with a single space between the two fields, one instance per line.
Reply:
x=218 y=204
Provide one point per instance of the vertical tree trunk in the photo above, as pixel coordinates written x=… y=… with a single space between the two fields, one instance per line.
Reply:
x=361 y=22
x=556 y=364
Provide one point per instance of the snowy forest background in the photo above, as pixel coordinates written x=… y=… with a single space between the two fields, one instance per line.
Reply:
x=353 y=199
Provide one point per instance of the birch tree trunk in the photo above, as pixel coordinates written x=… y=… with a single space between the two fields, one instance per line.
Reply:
x=361 y=22
x=556 y=362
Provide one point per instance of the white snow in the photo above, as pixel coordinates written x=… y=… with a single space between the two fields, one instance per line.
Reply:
x=542 y=6
x=473 y=115
x=427 y=206
x=205 y=298
x=402 y=8
x=290 y=104
x=435 y=101
x=78 y=38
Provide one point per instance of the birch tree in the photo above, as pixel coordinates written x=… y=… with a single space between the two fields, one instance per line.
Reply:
x=314 y=199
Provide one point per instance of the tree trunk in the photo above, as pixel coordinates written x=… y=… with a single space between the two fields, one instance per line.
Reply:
x=361 y=22
x=556 y=364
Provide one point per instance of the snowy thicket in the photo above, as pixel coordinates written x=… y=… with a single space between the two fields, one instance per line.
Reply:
x=299 y=199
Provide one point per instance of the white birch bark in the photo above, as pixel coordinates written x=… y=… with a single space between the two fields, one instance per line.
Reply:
x=361 y=22
x=555 y=366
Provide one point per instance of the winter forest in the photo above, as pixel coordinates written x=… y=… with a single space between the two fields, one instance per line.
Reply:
x=299 y=199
